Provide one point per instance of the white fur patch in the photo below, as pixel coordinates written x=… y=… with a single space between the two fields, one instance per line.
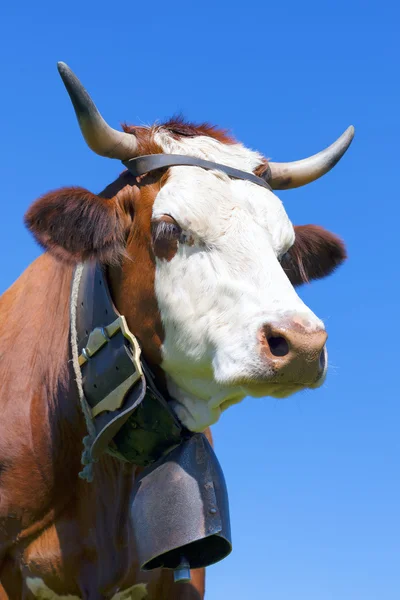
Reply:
x=216 y=294
x=42 y=592
x=136 y=592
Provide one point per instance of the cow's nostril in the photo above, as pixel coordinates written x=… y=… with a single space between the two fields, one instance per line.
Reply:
x=322 y=359
x=278 y=345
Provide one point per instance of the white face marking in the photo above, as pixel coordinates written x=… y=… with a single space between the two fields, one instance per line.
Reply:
x=40 y=590
x=216 y=294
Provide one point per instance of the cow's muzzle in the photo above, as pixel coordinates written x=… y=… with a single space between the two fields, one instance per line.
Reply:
x=294 y=352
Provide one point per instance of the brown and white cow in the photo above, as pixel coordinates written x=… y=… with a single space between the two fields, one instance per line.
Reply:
x=203 y=268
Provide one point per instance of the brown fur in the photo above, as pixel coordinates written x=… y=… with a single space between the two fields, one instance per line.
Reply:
x=178 y=127
x=132 y=283
x=315 y=253
x=76 y=225
x=261 y=169
x=145 y=137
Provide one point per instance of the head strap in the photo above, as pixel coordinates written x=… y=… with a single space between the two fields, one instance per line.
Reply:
x=145 y=164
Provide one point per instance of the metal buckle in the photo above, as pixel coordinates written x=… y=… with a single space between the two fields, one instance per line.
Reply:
x=98 y=338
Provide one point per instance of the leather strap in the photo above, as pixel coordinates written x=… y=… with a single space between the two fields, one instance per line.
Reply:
x=142 y=426
x=109 y=367
x=145 y=164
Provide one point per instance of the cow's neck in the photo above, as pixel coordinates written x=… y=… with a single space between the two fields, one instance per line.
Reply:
x=41 y=423
x=41 y=396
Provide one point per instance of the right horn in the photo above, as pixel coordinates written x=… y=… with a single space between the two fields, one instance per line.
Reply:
x=99 y=136
x=284 y=176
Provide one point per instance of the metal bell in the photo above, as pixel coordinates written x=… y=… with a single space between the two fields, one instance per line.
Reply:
x=180 y=510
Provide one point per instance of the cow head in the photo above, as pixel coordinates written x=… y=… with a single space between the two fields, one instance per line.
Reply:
x=203 y=266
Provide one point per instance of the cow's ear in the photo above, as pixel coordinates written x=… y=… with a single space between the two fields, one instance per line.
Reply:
x=75 y=225
x=315 y=253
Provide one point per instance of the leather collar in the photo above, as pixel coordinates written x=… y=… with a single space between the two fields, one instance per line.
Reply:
x=146 y=164
x=132 y=419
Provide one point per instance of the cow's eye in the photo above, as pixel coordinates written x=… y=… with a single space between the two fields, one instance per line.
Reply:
x=165 y=228
x=166 y=234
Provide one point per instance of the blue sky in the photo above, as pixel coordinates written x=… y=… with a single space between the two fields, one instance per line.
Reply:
x=313 y=480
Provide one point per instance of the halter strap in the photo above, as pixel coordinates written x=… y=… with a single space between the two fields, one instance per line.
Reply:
x=151 y=162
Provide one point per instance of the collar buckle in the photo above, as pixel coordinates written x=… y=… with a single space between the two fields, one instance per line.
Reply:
x=100 y=337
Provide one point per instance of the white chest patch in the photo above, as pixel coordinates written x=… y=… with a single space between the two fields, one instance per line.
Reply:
x=41 y=591
x=136 y=592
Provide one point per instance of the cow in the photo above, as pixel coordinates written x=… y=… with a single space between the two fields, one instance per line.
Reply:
x=204 y=267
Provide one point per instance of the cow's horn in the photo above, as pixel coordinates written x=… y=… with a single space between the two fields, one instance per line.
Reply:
x=284 y=176
x=100 y=137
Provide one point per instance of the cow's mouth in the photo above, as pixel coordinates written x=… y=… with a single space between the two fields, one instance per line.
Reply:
x=280 y=389
x=274 y=389
x=198 y=413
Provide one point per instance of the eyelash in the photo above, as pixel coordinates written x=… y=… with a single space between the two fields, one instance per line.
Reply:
x=166 y=229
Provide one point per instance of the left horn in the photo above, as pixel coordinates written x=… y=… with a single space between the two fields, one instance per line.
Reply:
x=99 y=136
x=284 y=176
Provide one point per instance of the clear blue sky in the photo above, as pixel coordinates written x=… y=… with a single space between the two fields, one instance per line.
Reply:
x=313 y=480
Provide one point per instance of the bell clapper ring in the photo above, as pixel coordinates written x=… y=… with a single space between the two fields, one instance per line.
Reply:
x=182 y=572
